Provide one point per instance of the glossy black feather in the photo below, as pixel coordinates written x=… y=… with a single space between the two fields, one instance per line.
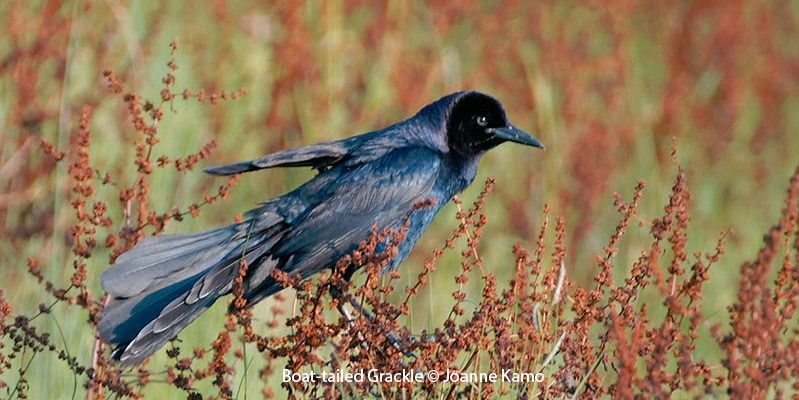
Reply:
x=165 y=282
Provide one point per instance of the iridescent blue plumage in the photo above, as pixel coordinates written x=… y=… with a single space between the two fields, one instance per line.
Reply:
x=374 y=179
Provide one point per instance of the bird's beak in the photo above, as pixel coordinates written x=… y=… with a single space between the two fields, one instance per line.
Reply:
x=511 y=133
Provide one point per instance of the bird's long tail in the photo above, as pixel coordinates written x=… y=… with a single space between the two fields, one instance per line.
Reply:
x=165 y=282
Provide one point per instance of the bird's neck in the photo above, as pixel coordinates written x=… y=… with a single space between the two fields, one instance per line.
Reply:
x=461 y=171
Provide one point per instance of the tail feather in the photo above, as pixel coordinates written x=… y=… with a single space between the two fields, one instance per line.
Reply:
x=166 y=282
x=159 y=244
x=157 y=258
x=222 y=278
x=213 y=284
x=148 y=341
x=122 y=319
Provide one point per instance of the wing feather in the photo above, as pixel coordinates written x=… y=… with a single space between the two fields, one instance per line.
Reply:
x=381 y=192
x=317 y=156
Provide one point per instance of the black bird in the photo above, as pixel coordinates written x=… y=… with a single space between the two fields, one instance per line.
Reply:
x=165 y=282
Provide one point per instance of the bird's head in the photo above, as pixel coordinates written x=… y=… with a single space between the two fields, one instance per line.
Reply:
x=477 y=123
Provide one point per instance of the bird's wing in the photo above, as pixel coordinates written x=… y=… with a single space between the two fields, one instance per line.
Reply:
x=381 y=192
x=317 y=156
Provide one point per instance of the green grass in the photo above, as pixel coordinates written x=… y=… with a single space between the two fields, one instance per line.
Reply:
x=347 y=84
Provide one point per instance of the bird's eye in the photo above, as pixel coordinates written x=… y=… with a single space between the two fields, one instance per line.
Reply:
x=481 y=120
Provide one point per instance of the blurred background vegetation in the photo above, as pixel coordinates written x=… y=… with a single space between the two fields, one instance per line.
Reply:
x=609 y=86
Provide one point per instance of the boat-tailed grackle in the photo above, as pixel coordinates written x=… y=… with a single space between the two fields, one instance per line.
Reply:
x=165 y=282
